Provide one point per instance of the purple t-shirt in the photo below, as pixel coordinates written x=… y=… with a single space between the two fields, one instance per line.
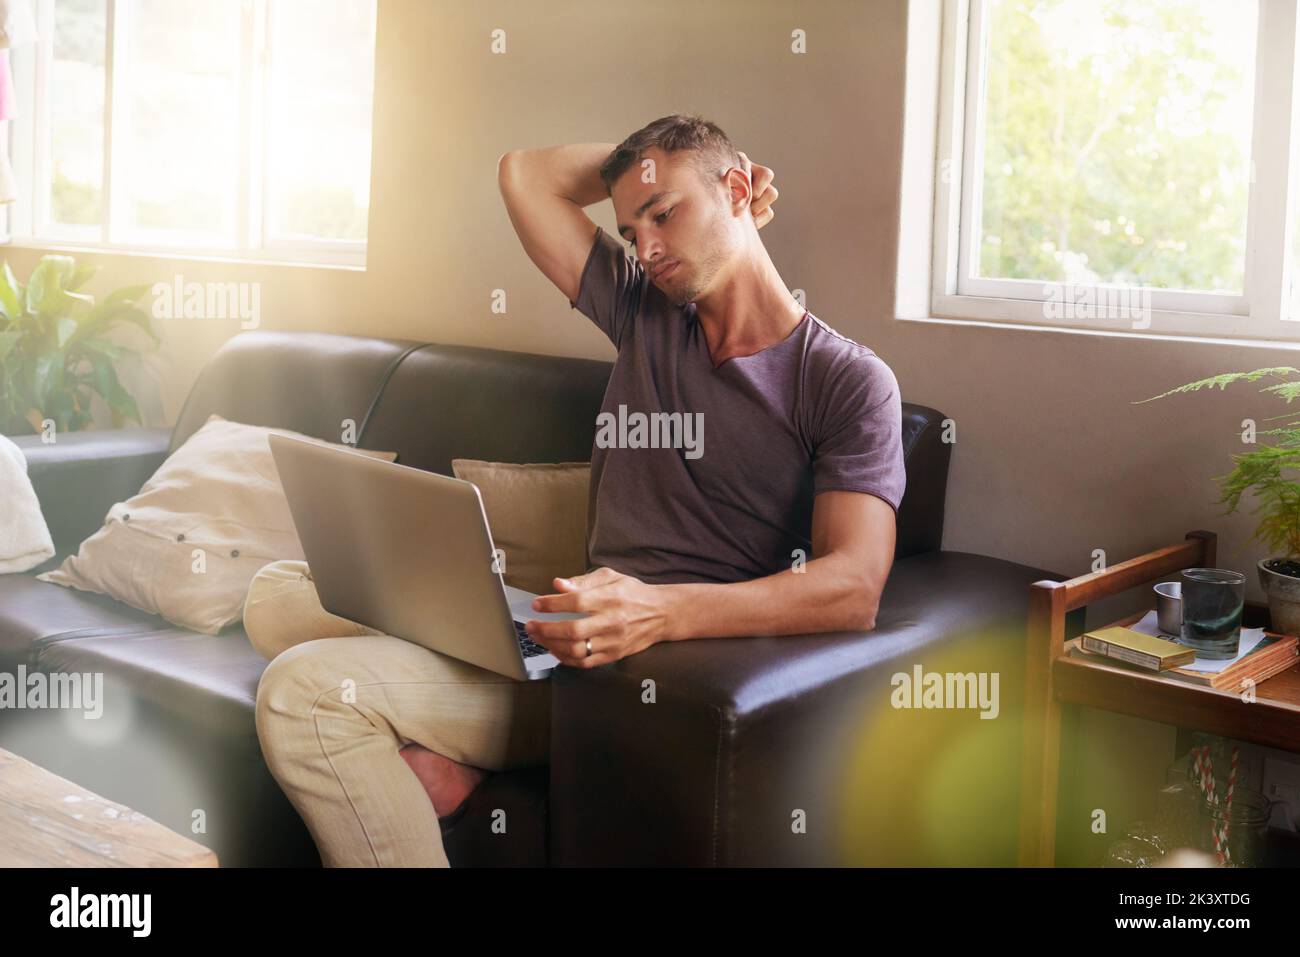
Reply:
x=723 y=492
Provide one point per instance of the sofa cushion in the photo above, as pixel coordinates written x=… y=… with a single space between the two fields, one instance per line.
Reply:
x=24 y=537
x=33 y=613
x=210 y=680
x=189 y=542
x=538 y=516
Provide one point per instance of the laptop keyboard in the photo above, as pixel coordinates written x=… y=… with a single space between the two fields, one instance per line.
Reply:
x=529 y=647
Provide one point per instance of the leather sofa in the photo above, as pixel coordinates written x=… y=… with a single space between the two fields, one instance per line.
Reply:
x=753 y=751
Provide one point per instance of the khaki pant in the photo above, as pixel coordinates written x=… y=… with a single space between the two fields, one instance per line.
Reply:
x=339 y=700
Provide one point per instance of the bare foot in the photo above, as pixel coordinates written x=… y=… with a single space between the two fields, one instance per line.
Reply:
x=448 y=783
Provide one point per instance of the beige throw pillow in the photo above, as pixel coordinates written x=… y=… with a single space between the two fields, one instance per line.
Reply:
x=188 y=544
x=538 y=517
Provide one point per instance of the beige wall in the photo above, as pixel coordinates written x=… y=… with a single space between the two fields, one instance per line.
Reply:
x=1051 y=459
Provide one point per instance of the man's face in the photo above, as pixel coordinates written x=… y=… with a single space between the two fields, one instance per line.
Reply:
x=675 y=219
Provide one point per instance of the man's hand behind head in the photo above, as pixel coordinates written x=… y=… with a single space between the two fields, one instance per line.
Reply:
x=762 y=193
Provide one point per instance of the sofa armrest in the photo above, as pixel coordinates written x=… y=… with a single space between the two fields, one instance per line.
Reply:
x=787 y=750
x=80 y=475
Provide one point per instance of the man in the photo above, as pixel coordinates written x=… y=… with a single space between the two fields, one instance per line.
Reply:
x=783 y=522
x=803 y=426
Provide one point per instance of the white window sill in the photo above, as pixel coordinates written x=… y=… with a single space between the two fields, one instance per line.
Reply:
x=271 y=258
x=1289 y=345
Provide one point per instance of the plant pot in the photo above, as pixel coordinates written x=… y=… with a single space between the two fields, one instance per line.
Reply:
x=1283 y=591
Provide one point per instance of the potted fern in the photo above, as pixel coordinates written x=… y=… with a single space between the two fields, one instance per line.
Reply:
x=54 y=353
x=1263 y=470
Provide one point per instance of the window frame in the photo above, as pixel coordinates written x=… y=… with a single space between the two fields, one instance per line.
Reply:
x=27 y=138
x=1261 y=311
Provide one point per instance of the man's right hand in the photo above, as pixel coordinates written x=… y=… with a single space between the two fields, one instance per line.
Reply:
x=763 y=193
x=546 y=191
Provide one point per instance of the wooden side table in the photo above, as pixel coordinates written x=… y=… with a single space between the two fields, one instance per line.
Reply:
x=1054 y=678
x=46 y=821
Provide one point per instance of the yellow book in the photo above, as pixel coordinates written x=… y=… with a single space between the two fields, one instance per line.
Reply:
x=1135 y=648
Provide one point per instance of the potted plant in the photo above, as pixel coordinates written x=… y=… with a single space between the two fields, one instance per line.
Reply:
x=54 y=354
x=1263 y=470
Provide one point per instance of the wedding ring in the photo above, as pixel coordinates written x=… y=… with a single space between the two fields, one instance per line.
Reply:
x=588 y=647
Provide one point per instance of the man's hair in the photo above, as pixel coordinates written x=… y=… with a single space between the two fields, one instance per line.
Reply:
x=713 y=152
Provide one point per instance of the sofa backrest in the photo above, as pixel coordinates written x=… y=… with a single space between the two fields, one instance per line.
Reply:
x=431 y=403
x=446 y=402
x=310 y=382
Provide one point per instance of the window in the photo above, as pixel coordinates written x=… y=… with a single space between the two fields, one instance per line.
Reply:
x=1109 y=165
x=227 y=128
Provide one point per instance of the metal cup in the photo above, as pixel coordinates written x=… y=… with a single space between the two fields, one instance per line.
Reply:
x=1169 y=608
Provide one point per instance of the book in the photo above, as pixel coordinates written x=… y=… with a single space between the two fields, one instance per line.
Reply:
x=1135 y=648
x=1273 y=655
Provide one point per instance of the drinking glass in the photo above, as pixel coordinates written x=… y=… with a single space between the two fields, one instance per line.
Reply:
x=1213 y=599
x=1247 y=826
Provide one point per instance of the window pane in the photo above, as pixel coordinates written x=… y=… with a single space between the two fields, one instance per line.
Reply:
x=181 y=127
x=322 y=76
x=77 y=112
x=1293 y=311
x=1117 y=142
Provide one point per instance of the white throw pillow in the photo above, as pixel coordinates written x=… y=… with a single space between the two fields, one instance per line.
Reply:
x=188 y=544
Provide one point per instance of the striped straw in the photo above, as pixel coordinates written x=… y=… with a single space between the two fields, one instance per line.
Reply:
x=1203 y=783
x=1227 y=805
x=1212 y=790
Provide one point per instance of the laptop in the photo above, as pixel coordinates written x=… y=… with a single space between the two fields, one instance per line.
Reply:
x=409 y=552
